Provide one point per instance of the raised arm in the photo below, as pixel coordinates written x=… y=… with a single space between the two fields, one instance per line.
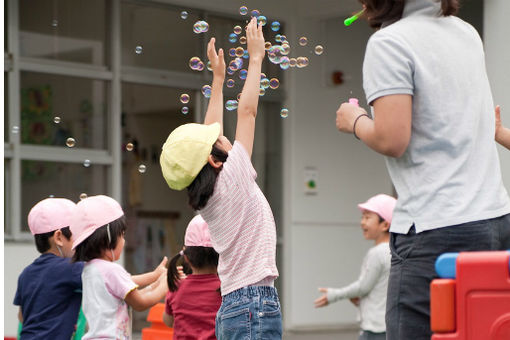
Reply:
x=141 y=299
x=247 y=108
x=215 y=108
x=502 y=133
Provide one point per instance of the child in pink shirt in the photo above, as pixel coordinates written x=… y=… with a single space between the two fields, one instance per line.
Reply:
x=192 y=303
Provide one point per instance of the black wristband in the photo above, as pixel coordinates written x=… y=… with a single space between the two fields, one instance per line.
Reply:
x=355 y=121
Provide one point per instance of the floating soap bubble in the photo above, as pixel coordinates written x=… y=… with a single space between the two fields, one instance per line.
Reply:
x=54 y=23
x=264 y=83
x=231 y=105
x=262 y=20
x=138 y=49
x=230 y=83
x=302 y=62
x=83 y=196
x=130 y=146
x=237 y=29
x=275 y=26
x=230 y=71
x=285 y=63
x=70 y=142
x=200 y=66
x=268 y=45
x=283 y=38
x=262 y=75
x=242 y=40
x=284 y=113
x=194 y=63
x=292 y=62
x=286 y=48
x=262 y=91
x=206 y=91
x=278 y=38
x=200 y=27
x=232 y=52
x=255 y=13
x=86 y=163
x=232 y=37
x=246 y=55
x=56 y=120
x=233 y=66
x=184 y=110
x=303 y=41
x=274 y=83
x=239 y=52
x=239 y=96
x=319 y=49
x=275 y=54
x=243 y=10
x=15 y=129
x=184 y=98
x=209 y=66
x=142 y=168
x=51 y=196
x=184 y=15
x=243 y=74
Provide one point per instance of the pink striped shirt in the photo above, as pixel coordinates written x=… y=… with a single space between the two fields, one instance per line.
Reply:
x=241 y=224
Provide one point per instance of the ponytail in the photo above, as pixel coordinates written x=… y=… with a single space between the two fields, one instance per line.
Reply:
x=198 y=257
x=172 y=273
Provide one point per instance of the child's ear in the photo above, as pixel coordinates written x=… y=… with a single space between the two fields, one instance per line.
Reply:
x=214 y=163
x=58 y=238
x=386 y=226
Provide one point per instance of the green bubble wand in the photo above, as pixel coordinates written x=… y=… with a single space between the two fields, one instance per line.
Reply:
x=350 y=20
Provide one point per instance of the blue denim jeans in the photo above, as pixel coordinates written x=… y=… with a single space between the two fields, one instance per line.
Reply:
x=251 y=312
x=367 y=335
x=412 y=269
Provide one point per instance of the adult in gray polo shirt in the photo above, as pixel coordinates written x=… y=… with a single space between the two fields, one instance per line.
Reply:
x=424 y=76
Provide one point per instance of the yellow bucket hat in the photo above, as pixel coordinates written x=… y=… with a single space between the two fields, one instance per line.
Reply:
x=186 y=151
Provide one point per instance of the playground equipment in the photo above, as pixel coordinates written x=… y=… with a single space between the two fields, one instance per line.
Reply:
x=471 y=300
x=158 y=330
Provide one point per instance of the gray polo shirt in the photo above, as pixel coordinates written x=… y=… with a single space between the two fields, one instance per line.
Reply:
x=450 y=172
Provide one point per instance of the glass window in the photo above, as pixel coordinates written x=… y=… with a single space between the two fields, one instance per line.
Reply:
x=54 y=108
x=64 y=30
x=157 y=37
x=40 y=180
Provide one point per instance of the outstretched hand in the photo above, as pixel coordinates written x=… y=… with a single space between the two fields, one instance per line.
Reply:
x=255 y=38
x=161 y=268
x=217 y=59
x=323 y=300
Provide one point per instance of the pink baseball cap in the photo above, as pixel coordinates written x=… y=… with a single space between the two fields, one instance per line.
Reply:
x=197 y=233
x=381 y=204
x=50 y=214
x=91 y=214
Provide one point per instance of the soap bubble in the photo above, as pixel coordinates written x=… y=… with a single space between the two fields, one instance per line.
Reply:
x=232 y=52
x=237 y=29
x=232 y=37
x=70 y=142
x=83 y=196
x=243 y=74
x=231 y=105
x=262 y=91
x=275 y=26
x=275 y=54
x=283 y=38
x=233 y=65
x=138 y=49
x=242 y=40
x=86 y=163
x=239 y=52
x=302 y=62
x=262 y=75
x=246 y=55
x=285 y=63
x=200 y=66
x=206 y=91
x=286 y=48
x=268 y=45
x=142 y=168
x=264 y=83
x=56 y=120
x=230 y=83
x=262 y=20
x=15 y=129
x=278 y=38
x=292 y=62
x=184 y=98
x=184 y=15
x=230 y=71
x=243 y=10
x=284 y=113
x=194 y=63
x=274 y=83
x=255 y=13
x=209 y=67
x=200 y=27
x=319 y=49
x=185 y=110
x=130 y=146
x=54 y=23
x=303 y=41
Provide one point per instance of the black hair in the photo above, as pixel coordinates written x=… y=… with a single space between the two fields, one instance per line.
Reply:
x=42 y=241
x=378 y=12
x=198 y=257
x=94 y=245
x=202 y=187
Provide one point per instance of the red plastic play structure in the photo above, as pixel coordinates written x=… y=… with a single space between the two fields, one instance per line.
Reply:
x=475 y=303
x=158 y=330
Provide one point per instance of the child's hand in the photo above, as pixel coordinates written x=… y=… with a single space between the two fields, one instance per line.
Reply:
x=323 y=300
x=256 y=43
x=161 y=268
x=180 y=271
x=217 y=59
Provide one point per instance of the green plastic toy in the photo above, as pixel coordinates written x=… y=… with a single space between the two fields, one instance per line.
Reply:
x=350 y=20
x=80 y=327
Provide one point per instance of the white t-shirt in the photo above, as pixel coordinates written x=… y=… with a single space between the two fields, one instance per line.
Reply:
x=105 y=286
x=371 y=287
x=242 y=227
x=450 y=172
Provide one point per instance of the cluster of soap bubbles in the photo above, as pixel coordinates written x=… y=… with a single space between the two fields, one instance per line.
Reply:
x=196 y=64
x=200 y=26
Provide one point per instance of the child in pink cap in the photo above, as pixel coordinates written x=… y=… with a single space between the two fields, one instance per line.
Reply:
x=192 y=303
x=369 y=291
x=98 y=227
x=49 y=289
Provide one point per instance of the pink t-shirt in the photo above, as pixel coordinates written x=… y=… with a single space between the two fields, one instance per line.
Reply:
x=194 y=306
x=242 y=227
